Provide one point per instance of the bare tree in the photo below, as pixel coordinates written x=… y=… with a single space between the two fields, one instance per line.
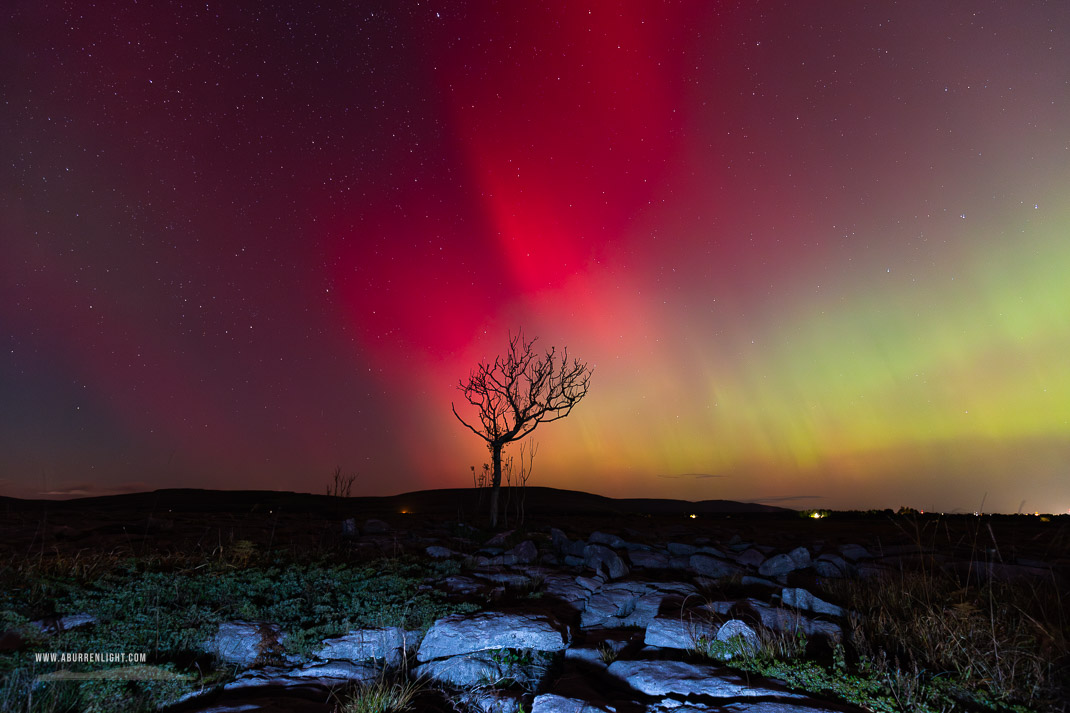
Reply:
x=518 y=392
x=343 y=484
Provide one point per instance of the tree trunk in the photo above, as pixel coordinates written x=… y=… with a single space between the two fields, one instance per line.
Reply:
x=496 y=483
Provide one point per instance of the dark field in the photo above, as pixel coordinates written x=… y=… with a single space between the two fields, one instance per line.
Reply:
x=198 y=521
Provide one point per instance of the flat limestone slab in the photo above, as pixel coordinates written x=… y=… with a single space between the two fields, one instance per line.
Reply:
x=468 y=633
x=680 y=679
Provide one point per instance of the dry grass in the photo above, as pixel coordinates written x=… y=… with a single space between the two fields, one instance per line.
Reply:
x=1004 y=641
x=384 y=695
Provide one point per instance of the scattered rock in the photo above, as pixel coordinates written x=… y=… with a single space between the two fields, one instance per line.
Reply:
x=553 y=703
x=602 y=559
x=777 y=565
x=679 y=633
x=63 y=623
x=831 y=566
x=438 y=552
x=750 y=557
x=739 y=630
x=560 y=541
x=648 y=559
x=710 y=566
x=461 y=634
x=680 y=548
x=802 y=599
x=789 y=621
x=246 y=643
x=680 y=679
x=801 y=557
x=463 y=671
x=388 y=644
x=524 y=553
x=601 y=538
x=322 y=673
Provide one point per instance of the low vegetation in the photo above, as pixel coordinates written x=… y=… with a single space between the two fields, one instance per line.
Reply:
x=926 y=638
x=168 y=607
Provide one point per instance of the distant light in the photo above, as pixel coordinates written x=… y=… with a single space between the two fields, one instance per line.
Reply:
x=404 y=512
x=816 y=515
x=1036 y=514
x=692 y=516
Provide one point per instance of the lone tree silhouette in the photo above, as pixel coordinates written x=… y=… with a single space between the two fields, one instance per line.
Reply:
x=518 y=392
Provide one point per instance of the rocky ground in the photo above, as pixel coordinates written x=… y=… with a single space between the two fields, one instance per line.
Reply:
x=587 y=610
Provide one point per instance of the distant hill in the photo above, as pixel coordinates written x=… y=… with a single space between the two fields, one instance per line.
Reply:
x=538 y=501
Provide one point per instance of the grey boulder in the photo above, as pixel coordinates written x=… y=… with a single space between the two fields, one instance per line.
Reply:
x=462 y=634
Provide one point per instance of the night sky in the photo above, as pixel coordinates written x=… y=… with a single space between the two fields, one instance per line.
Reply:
x=818 y=254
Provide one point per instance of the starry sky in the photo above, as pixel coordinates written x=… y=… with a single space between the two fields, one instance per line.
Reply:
x=816 y=253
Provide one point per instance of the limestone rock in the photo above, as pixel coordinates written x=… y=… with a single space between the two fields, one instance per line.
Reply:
x=750 y=557
x=739 y=630
x=802 y=599
x=461 y=634
x=777 y=565
x=680 y=548
x=788 y=621
x=465 y=671
x=710 y=550
x=524 y=553
x=245 y=643
x=801 y=557
x=679 y=679
x=831 y=566
x=674 y=632
x=386 y=644
x=710 y=566
x=323 y=673
x=601 y=538
x=553 y=703
x=460 y=584
x=648 y=559
x=63 y=623
x=560 y=541
x=602 y=559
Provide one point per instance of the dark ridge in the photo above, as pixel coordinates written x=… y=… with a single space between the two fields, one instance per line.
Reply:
x=538 y=500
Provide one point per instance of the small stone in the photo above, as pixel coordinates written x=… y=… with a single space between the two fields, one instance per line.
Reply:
x=738 y=629
x=601 y=538
x=750 y=557
x=711 y=566
x=801 y=557
x=831 y=566
x=802 y=599
x=602 y=559
x=777 y=565
x=524 y=553
x=647 y=559
x=439 y=552
x=680 y=548
x=676 y=633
